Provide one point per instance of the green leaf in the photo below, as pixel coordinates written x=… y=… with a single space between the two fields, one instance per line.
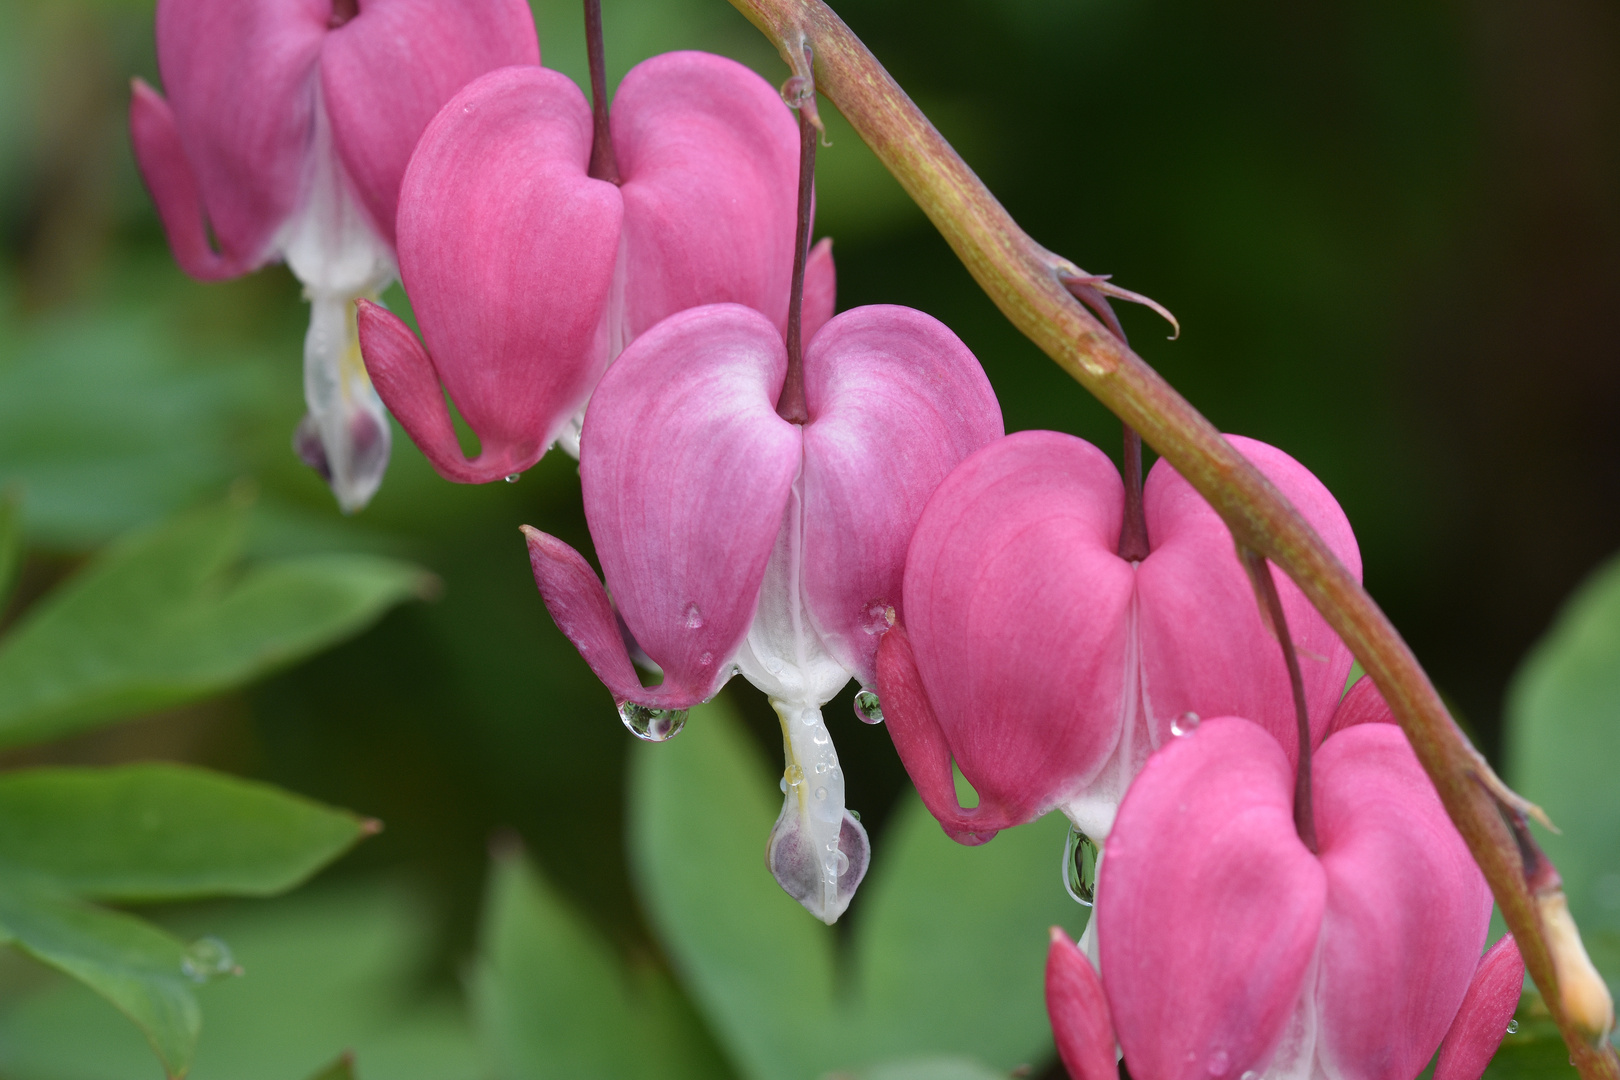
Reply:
x=11 y=543
x=1563 y=752
x=932 y=1068
x=552 y=1000
x=126 y=960
x=165 y=832
x=158 y=620
x=950 y=943
x=340 y=1069
x=328 y=969
x=758 y=966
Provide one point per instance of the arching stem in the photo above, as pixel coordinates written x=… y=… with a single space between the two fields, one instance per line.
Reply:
x=604 y=166
x=790 y=406
x=1265 y=587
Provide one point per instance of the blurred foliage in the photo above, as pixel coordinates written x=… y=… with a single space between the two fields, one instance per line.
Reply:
x=1390 y=231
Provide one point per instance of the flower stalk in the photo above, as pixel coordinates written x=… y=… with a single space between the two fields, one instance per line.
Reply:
x=1028 y=284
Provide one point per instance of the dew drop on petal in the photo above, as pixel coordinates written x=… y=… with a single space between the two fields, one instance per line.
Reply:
x=821 y=767
x=856 y=814
x=843 y=864
x=877 y=617
x=868 y=707
x=773 y=664
x=650 y=724
x=821 y=793
x=1185 y=724
x=694 y=617
x=206 y=959
x=783 y=784
x=706 y=659
x=511 y=478
x=1080 y=867
x=1513 y=1027
x=794 y=775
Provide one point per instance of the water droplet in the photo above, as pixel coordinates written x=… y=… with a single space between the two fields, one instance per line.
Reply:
x=868 y=707
x=821 y=793
x=694 y=617
x=773 y=664
x=1185 y=724
x=1216 y=1066
x=207 y=958
x=1080 y=867
x=783 y=783
x=650 y=724
x=877 y=617
x=821 y=767
x=856 y=814
x=511 y=478
x=794 y=775
x=1513 y=1027
x=706 y=659
x=843 y=864
x=821 y=738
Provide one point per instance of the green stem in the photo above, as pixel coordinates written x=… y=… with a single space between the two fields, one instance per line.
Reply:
x=1026 y=282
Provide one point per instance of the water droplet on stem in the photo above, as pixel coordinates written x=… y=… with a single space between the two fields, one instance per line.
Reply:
x=206 y=959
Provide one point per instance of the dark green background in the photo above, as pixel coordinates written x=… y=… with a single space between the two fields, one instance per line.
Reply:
x=1391 y=232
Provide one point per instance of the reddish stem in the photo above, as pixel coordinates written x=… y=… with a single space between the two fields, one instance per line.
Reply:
x=604 y=166
x=790 y=406
x=1264 y=584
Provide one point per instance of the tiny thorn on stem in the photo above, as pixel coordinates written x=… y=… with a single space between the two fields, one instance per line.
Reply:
x=604 y=165
x=1091 y=289
x=1265 y=586
x=791 y=405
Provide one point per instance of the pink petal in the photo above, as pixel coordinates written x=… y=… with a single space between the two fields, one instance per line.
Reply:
x=820 y=290
x=387 y=71
x=507 y=250
x=1079 y=1012
x=581 y=609
x=1016 y=605
x=922 y=746
x=240 y=79
x=1492 y=997
x=1204 y=647
x=1362 y=705
x=895 y=401
x=1407 y=909
x=1209 y=907
x=174 y=189
x=686 y=471
x=710 y=158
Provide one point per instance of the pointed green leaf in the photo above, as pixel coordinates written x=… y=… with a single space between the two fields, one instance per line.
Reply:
x=1563 y=752
x=156 y=621
x=126 y=960
x=951 y=942
x=165 y=832
x=757 y=964
x=551 y=998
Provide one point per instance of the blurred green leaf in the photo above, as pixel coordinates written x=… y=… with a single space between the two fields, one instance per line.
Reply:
x=126 y=960
x=759 y=967
x=551 y=999
x=165 y=832
x=325 y=971
x=950 y=941
x=933 y=1068
x=1563 y=752
x=159 y=619
x=340 y=1069
x=11 y=543
x=108 y=422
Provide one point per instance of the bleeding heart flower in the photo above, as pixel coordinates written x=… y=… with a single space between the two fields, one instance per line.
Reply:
x=528 y=276
x=1047 y=667
x=1228 y=948
x=733 y=540
x=285 y=134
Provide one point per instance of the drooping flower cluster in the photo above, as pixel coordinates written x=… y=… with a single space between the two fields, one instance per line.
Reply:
x=804 y=499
